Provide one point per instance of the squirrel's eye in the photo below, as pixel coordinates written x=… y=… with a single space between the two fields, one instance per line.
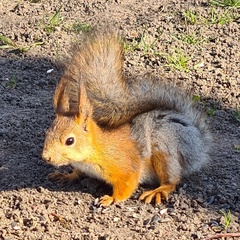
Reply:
x=70 y=141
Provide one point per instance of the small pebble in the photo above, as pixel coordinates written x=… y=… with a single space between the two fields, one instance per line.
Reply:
x=146 y=222
x=163 y=211
x=116 y=219
x=41 y=218
x=40 y=189
x=15 y=226
x=212 y=223
x=164 y=220
x=199 y=234
x=217 y=229
x=172 y=212
x=135 y=215
x=155 y=219
x=50 y=70
x=96 y=209
x=96 y=202
x=105 y=210
x=200 y=200
x=131 y=209
x=210 y=200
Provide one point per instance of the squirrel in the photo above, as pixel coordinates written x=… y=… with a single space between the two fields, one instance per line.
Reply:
x=125 y=132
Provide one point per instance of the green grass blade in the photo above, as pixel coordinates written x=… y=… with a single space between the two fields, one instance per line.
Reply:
x=7 y=41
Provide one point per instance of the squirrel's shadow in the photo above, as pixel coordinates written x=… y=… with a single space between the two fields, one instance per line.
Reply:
x=26 y=113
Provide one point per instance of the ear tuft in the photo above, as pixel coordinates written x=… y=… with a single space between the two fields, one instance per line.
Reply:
x=61 y=100
x=85 y=108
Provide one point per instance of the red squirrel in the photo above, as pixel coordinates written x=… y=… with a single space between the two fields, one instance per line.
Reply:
x=122 y=131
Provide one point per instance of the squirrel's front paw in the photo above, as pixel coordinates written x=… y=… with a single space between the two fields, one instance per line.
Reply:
x=106 y=200
x=63 y=177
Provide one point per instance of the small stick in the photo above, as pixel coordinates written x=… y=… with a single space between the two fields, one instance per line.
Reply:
x=220 y=235
x=58 y=218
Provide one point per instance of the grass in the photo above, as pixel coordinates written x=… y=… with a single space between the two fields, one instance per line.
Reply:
x=237 y=115
x=178 y=61
x=53 y=22
x=214 y=16
x=196 y=98
x=13 y=80
x=220 y=18
x=190 y=17
x=236 y=147
x=192 y=39
x=56 y=20
x=140 y=43
x=211 y=112
x=226 y=3
x=227 y=218
x=147 y=47
x=7 y=43
x=80 y=27
x=130 y=46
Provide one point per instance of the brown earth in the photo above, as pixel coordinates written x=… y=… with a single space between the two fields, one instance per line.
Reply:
x=32 y=207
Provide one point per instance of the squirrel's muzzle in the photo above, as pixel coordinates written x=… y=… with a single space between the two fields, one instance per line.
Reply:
x=46 y=156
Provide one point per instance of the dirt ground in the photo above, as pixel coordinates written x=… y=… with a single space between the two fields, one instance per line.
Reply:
x=192 y=43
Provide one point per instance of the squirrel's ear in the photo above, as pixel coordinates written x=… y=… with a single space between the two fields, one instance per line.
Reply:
x=85 y=108
x=66 y=94
x=61 y=99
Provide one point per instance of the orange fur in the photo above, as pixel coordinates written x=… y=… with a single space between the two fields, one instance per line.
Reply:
x=118 y=160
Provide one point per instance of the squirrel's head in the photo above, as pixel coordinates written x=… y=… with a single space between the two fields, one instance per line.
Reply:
x=68 y=140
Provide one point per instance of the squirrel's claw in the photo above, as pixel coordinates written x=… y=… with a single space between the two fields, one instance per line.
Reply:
x=62 y=177
x=106 y=200
x=157 y=194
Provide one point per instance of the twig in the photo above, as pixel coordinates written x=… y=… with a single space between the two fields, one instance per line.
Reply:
x=57 y=217
x=220 y=235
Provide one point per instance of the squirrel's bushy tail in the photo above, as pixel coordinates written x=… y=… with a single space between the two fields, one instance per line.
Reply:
x=98 y=62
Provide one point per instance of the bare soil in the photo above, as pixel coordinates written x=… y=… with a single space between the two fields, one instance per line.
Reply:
x=32 y=207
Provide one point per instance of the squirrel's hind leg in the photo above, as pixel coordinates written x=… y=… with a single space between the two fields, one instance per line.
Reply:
x=160 y=164
x=57 y=176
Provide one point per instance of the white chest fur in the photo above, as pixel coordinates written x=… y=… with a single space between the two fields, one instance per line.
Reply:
x=89 y=169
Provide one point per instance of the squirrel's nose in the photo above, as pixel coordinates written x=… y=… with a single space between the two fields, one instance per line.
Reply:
x=46 y=156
